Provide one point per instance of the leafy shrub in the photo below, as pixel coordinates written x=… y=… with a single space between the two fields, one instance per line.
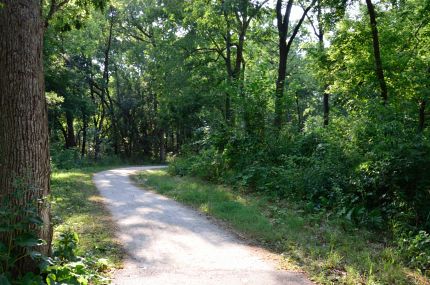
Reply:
x=71 y=158
x=369 y=168
x=416 y=249
x=19 y=225
x=64 y=158
x=66 y=245
x=208 y=165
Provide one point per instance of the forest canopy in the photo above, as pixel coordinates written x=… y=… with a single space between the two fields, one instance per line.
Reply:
x=317 y=86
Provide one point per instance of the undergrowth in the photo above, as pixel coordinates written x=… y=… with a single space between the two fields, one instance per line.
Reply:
x=84 y=246
x=330 y=249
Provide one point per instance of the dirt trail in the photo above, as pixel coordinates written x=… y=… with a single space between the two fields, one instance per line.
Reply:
x=168 y=243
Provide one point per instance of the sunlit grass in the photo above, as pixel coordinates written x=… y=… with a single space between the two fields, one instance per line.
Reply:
x=219 y=203
x=77 y=205
x=330 y=251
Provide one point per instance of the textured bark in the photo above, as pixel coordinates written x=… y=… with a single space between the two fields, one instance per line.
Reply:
x=376 y=51
x=24 y=151
x=422 y=115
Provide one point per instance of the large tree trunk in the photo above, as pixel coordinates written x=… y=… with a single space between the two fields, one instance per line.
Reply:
x=24 y=151
x=376 y=51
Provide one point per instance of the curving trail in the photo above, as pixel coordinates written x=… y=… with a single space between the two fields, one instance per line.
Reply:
x=168 y=243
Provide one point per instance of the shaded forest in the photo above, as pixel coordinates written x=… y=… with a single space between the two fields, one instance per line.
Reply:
x=319 y=101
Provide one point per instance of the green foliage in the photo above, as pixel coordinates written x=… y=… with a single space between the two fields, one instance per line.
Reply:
x=415 y=248
x=208 y=165
x=67 y=243
x=66 y=267
x=19 y=224
x=66 y=159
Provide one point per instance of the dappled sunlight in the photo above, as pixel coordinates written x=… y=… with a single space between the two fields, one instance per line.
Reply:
x=305 y=241
x=78 y=206
x=64 y=175
x=160 y=233
x=96 y=199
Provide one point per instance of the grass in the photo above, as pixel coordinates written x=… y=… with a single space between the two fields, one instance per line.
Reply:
x=328 y=249
x=77 y=205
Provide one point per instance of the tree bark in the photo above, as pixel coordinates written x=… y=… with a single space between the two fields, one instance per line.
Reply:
x=84 y=135
x=422 y=115
x=320 y=34
x=70 y=138
x=376 y=51
x=162 y=146
x=282 y=23
x=24 y=149
x=326 y=107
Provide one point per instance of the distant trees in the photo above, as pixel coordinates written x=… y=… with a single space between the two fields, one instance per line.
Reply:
x=153 y=76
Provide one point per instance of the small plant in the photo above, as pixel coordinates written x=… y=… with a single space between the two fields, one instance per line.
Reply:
x=416 y=250
x=19 y=223
x=68 y=268
x=67 y=243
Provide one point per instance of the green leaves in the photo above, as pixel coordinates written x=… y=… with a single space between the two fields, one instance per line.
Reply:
x=28 y=240
x=66 y=245
x=4 y=280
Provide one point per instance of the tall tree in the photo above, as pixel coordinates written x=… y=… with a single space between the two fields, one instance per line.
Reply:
x=242 y=12
x=283 y=24
x=376 y=51
x=24 y=151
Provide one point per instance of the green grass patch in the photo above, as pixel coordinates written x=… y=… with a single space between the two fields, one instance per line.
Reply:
x=77 y=205
x=329 y=249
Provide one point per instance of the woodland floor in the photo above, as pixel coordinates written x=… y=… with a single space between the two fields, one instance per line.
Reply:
x=168 y=243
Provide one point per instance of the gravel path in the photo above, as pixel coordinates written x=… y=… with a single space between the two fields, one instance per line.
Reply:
x=168 y=243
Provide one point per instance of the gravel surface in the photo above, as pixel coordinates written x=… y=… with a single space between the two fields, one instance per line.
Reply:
x=168 y=243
